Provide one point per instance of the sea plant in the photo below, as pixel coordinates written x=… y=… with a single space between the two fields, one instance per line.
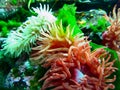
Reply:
x=97 y=28
x=25 y=36
x=93 y=24
x=69 y=14
x=6 y=26
x=100 y=25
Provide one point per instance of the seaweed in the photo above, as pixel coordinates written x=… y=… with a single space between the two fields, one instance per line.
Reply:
x=67 y=15
x=13 y=22
x=93 y=24
x=100 y=25
x=39 y=73
x=6 y=26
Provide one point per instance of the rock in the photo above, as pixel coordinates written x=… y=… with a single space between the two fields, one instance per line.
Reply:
x=20 y=76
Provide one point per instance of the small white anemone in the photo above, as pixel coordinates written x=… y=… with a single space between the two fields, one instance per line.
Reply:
x=45 y=12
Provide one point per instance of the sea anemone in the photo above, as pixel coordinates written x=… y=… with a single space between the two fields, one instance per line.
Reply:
x=79 y=69
x=45 y=13
x=111 y=37
x=52 y=42
x=25 y=36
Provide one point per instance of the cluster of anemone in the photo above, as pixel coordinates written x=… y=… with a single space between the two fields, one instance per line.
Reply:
x=70 y=62
x=72 y=65
x=111 y=37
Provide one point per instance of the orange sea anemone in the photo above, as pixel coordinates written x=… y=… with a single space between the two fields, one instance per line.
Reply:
x=111 y=37
x=52 y=42
x=79 y=69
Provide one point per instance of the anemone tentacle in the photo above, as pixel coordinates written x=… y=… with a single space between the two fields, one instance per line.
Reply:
x=54 y=41
x=111 y=37
x=81 y=69
x=26 y=35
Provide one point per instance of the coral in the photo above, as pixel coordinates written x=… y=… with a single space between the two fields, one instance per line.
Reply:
x=25 y=36
x=111 y=37
x=79 y=69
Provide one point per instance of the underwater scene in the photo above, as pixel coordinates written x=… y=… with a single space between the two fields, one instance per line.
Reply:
x=59 y=44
